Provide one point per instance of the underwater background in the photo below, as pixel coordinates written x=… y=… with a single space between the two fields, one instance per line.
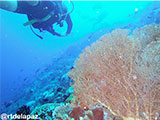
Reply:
x=34 y=71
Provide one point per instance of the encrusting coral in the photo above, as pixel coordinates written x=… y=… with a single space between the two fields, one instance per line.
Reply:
x=121 y=72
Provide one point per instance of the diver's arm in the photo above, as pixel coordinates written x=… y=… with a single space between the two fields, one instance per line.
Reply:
x=12 y=5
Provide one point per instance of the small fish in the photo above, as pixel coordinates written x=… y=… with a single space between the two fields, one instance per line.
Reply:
x=21 y=70
x=7 y=104
x=25 y=79
x=37 y=70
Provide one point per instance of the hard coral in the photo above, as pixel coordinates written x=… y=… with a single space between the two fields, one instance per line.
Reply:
x=69 y=112
x=115 y=73
x=76 y=113
x=98 y=114
x=93 y=114
x=45 y=112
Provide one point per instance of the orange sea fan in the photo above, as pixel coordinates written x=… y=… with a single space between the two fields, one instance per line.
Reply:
x=113 y=72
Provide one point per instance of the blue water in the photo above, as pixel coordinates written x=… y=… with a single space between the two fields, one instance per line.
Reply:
x=24 y=56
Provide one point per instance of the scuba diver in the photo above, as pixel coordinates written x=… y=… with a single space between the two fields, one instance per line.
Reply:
x=42 y=14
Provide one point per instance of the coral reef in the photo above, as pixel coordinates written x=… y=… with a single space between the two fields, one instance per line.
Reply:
x=147 y=34
x=61 y=112
x=47 y=80
x=23 y=110
x=117 y=72
x=68 y=112
x=55 y=95
x=49 y=85
x=45 y=111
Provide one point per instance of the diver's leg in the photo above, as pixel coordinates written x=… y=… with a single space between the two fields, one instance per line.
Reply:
x=9 y=5
x=12 y=5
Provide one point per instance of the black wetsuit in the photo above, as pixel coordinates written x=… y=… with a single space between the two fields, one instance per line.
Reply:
x=41 y=10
